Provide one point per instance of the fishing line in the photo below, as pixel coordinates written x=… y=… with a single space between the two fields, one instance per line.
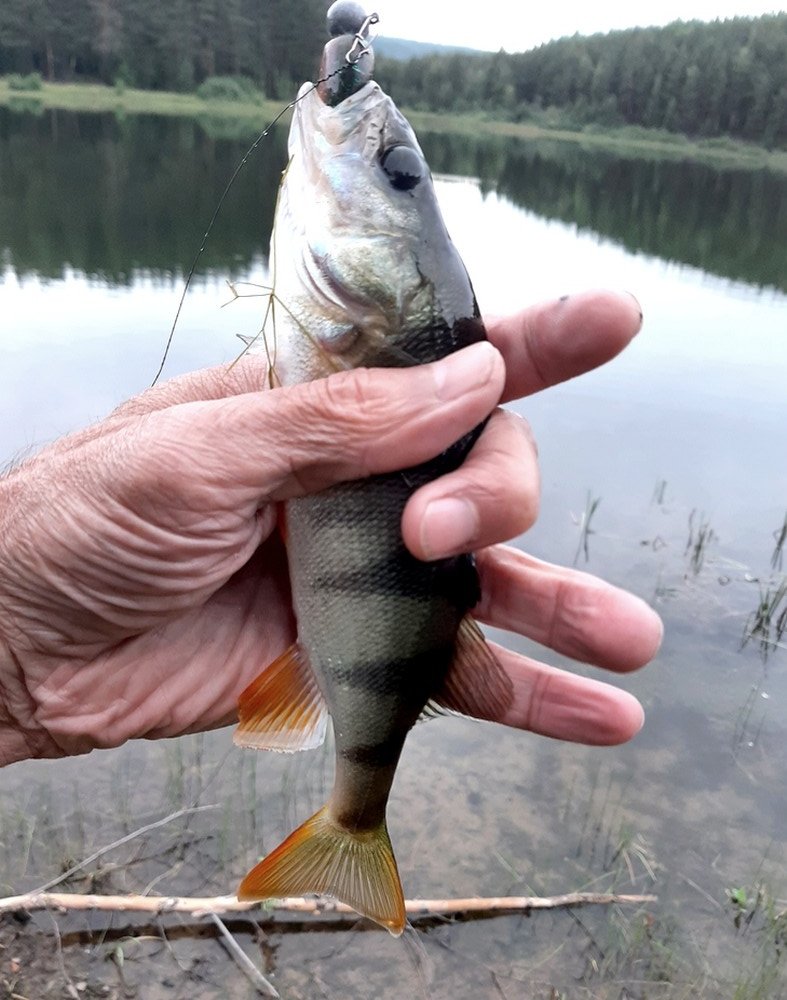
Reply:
x=360 y=48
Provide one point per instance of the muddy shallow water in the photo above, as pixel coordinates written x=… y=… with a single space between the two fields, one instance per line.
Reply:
x=663 y=472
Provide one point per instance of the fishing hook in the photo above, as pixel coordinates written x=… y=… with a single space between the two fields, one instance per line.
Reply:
x=360 y=45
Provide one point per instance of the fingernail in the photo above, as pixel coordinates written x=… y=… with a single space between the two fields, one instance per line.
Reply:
x=639 y=308
x=448 y=526
x=466 y=370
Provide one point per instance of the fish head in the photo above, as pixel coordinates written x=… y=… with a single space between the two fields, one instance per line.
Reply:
x=361 y=257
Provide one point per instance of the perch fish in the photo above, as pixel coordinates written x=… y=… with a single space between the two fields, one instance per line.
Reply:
x=365 y=275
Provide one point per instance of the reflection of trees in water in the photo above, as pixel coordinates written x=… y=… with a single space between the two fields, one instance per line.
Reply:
x=113 y=195
x=729 y=222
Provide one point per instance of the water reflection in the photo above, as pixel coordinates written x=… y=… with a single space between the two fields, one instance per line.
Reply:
x=665 y=457
x=119 y=195
x=115 y=195
x=729 y=222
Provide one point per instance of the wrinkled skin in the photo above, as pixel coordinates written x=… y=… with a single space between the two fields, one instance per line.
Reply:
x=143 y=582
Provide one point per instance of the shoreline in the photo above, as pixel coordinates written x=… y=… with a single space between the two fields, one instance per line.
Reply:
x=631 y=140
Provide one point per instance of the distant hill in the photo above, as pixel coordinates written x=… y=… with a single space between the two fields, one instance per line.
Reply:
x=402 y=49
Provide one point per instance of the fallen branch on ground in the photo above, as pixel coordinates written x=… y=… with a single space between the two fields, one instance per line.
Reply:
x=207 y=905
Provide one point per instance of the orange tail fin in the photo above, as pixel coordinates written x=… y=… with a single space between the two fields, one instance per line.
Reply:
x=356 y=868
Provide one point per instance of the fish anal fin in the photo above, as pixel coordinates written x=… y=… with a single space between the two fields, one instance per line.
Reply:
x=283 y=708
x=355 y=867
x=476 y=684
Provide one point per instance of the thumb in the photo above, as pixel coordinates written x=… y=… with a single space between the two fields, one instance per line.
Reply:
x=279 y=443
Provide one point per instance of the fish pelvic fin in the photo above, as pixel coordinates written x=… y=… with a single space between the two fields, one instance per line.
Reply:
x=476 y=684
x=355 y=867
x=283 y=708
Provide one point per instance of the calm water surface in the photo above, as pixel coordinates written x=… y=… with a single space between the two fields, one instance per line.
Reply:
x=678 y=447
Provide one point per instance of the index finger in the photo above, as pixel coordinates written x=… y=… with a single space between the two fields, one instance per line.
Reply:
x=559 y=339
x=542 y=345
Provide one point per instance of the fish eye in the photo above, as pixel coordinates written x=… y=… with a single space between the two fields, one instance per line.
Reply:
x=403 y=167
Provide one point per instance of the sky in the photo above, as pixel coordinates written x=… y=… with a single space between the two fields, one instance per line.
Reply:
x=516 y=26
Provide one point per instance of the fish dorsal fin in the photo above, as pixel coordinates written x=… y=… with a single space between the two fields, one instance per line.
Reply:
x=476 y=685
x=356 y=867
x=283 y=708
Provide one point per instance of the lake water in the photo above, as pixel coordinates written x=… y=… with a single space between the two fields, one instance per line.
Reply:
x=680 y=445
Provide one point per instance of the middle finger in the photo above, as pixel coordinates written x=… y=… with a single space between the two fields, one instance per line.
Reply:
x=491 y=497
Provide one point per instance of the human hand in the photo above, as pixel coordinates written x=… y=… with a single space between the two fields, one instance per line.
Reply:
x=143 y=583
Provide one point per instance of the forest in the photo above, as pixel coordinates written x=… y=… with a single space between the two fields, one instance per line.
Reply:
x=164 y=46
x=725 y=78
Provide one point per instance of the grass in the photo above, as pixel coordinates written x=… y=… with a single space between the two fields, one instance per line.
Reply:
x=768 y=622
x=780 y=537
x=761 y=921
x=628 y=140
x=96 y=97
x=700 y=538
x=585 y=531
x=657 y=952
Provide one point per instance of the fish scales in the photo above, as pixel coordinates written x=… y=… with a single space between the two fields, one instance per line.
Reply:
x=367 y=276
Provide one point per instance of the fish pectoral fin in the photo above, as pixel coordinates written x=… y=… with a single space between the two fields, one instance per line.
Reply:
x=357 y=868
x=283 y=709
x=476 y=684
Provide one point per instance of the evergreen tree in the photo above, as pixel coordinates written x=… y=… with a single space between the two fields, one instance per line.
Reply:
x=724 y=78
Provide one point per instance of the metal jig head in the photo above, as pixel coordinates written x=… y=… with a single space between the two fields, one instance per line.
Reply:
x=361 y=45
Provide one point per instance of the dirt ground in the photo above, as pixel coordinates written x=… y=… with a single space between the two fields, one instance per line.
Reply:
x=36 y=964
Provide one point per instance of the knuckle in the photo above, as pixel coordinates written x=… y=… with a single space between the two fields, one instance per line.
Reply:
x=358 y=404
x=508 y=484
x=344 y=395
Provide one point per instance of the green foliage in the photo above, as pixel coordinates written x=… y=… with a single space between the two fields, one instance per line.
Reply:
x=724 y=78
x=29 y=104
x=29 y=82
x=172 y=46
x=228 y=88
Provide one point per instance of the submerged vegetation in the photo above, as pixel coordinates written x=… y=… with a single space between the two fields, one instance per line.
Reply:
x=585 y=531
x=767 y=624
x=199 y=816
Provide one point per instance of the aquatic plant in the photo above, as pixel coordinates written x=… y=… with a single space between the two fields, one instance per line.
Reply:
x=777 y=559
x=700 y=537
x=585 y=531
x=768 y=622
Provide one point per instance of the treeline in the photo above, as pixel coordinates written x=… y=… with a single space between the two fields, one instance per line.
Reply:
x=724 y=78
x=164 y=46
